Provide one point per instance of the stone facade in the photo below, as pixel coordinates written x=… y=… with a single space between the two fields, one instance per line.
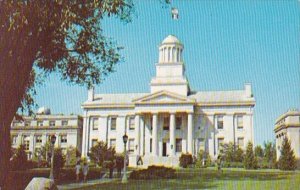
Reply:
x=171 y=119
x=288 y=125
x=34 y=132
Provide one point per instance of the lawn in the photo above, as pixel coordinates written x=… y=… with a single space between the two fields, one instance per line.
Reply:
x=211 y=179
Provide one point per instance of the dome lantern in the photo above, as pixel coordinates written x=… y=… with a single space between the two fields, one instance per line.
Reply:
x=170 y=50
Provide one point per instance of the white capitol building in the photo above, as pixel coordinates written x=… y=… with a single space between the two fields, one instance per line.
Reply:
x=171 y=119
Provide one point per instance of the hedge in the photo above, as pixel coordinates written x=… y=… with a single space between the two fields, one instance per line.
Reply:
x=153 y=172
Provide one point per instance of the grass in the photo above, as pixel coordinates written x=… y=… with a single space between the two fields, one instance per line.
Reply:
x=211 y=179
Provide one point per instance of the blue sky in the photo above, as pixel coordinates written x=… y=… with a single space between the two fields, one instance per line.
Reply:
x=227 y=43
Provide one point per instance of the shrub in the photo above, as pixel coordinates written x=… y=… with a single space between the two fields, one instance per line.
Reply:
x=100 y=152
x=203 y=157
x=153 y=172
x=72 y=156
x=233 y=165
x=250 y=161
x=185 y=160
x=287 y=160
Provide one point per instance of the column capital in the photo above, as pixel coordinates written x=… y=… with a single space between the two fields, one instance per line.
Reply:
x=172 y=112
x=154 y=113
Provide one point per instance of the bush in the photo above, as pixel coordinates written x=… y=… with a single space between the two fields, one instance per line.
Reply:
x=58 y=163
x=199 y=161
x=153 y=172
x=185 y=160
x=72 y=156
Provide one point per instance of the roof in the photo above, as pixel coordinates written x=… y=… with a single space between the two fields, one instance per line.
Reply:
x=205 y=97
x=211 y=97
x=292 y=112
x=170 y=39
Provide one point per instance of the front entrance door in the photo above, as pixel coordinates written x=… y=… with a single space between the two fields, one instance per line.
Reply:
x=164 y=149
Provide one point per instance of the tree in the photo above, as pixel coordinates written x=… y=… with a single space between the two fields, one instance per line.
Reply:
x=58 y=162
x=100 y=153
x=258 y=151
x=203 y=159
x=72 y=156
x=287 y=160
x=239 y=155
x=250 y=161
x=270 y=154
x=41 y=37
x=19 y=159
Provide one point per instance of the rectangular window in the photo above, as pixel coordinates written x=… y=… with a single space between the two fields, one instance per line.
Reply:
x=178 y=122
x=220 y=123
x=64 y=123
x=131 y=123
x=27 y=123
x=63 y=139
x=131 y=145
x=95 y=123
x=26 y=142
x=240 y=122
x=151 y=123
x=112 y=143
x=150 y=144
x=38 y=139
x=113 y=123
x=240 y=142
x=40 y=123
x=178 y=145
x=14 y=139
x=52 y=123
x=166 y=123
x=94 y=142
x=220 y=142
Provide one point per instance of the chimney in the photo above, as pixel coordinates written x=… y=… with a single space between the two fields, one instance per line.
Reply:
x=248 y=90
x=91 y=93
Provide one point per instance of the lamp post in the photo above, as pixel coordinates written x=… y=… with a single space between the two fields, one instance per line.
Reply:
x=124 y=178
x=53 y=139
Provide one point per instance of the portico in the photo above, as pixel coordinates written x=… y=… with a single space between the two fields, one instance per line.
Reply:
x=170 y=119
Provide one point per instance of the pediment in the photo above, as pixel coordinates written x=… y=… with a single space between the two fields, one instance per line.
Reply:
x=163 y=97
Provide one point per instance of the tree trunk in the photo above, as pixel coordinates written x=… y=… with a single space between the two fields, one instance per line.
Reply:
x=14 y=75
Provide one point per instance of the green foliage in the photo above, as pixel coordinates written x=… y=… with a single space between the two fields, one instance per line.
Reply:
x=270 y=154
x=287 y=160
x=230 y=153
x=19 y=159
x=250 y=161
x=203 y=157
x=153 y=172
x=100 y=152
x=72 y=156
x=185 y=160
x=233 y=165
x=258 y=151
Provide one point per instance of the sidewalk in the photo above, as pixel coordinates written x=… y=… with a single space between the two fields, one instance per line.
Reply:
x=86 y=184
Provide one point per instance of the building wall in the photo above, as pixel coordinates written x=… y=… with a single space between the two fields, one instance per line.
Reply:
x=204 y=127
x=29 y=129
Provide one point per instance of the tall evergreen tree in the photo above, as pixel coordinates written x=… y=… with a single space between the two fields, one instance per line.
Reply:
x=250 y=161
x=287 y=160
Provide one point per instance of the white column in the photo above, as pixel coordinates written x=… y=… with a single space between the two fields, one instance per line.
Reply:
x=83 y=151
x=190 y=133
x=142 y=135
x=137 y=134
x=154 y=135
x=172 y=134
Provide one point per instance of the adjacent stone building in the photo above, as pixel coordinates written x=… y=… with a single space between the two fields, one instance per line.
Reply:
x=34 y=132
x=288 y=125
x=172 y=118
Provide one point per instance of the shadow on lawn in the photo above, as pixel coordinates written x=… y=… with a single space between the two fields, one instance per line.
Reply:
x=210 y=175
